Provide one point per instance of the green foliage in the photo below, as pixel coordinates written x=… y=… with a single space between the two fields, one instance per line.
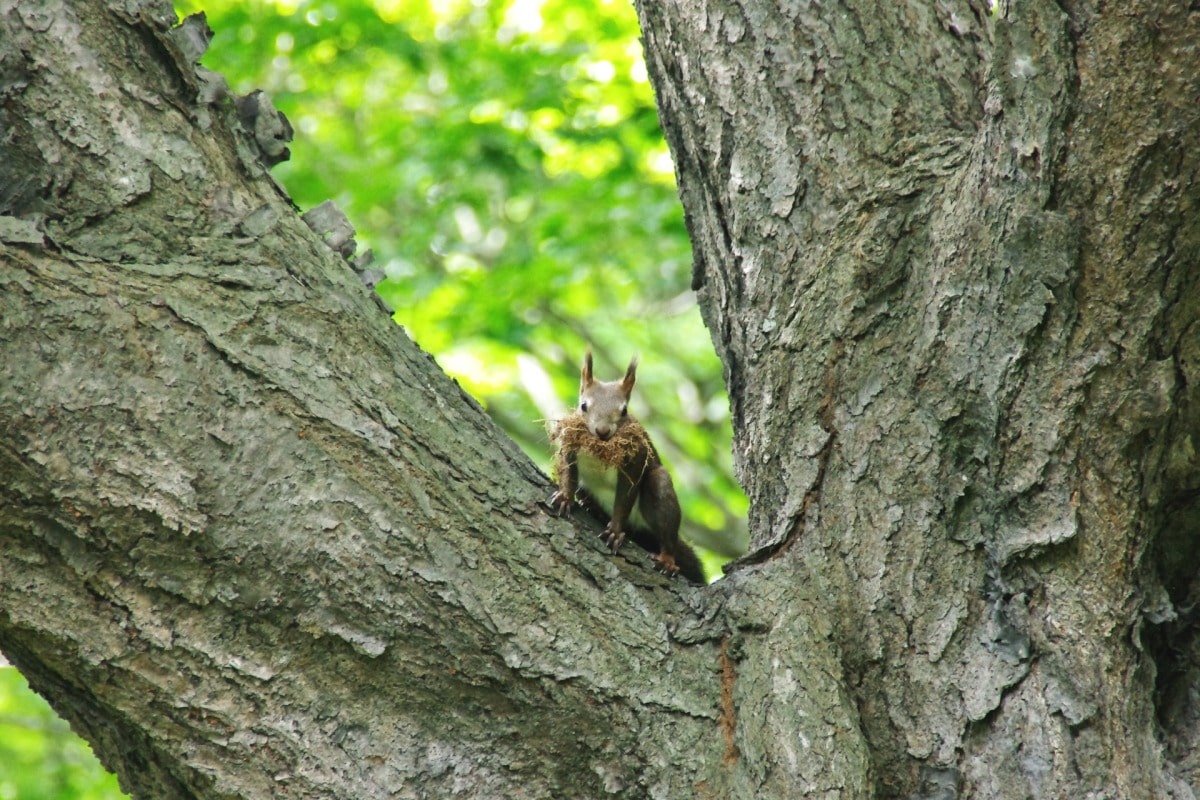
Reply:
x=40 y=758
x=504 y=161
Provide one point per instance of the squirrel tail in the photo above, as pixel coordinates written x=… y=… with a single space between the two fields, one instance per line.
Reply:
x=689 y=564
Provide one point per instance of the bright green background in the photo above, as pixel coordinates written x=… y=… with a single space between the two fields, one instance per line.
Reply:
x=40 y=758
x=504 y=162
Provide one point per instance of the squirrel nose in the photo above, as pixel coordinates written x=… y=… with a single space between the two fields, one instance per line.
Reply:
x=602 y=432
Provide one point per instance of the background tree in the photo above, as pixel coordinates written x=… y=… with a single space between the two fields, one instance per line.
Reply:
x=947 y=259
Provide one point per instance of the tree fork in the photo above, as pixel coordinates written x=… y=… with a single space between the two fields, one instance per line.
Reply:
x=253 y=539
x=254 y=542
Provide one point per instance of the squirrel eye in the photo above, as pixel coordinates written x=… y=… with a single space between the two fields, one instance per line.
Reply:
x=624 y=409
x=583 y=406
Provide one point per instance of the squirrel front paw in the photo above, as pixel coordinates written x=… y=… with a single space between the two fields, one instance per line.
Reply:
x=561 y=502
x=613 y=536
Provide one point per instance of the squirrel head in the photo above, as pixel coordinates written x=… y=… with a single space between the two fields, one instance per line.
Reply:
x=605 y=404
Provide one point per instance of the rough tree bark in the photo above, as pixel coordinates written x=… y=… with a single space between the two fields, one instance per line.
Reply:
x=950 y=261
x=254 y=544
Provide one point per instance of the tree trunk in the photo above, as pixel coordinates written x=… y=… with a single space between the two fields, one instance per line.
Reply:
x=949 y=259
x=254 y=544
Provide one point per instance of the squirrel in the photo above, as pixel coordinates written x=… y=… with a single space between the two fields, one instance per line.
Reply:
x=603 y=428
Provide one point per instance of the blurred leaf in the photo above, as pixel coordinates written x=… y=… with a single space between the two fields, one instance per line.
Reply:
x=39 y=755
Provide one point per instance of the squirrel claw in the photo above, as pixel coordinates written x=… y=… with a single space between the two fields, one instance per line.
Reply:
x=613 y=538
x=665 y=563
x=561 y=504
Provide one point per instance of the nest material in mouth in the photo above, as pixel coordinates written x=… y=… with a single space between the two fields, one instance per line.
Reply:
x=571 y=434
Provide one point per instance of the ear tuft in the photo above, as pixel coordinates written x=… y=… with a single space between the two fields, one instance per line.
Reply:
x=585 y=376
x=630 y=377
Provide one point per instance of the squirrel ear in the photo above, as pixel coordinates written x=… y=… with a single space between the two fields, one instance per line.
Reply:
x=585 y=377
x=630 y=377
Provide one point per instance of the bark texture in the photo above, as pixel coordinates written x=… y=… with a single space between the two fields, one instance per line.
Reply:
x=949 y=259
x=252 y=542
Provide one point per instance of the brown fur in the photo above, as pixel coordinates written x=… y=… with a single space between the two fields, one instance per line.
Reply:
x=630 y=451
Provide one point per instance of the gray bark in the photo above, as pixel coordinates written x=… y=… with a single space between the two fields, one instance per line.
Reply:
x=253 y=543
x=948 y=258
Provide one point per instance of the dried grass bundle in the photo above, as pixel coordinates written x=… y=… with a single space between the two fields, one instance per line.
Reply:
x=629 y=445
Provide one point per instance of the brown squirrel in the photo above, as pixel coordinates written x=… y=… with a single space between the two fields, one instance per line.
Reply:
x=603 y=428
